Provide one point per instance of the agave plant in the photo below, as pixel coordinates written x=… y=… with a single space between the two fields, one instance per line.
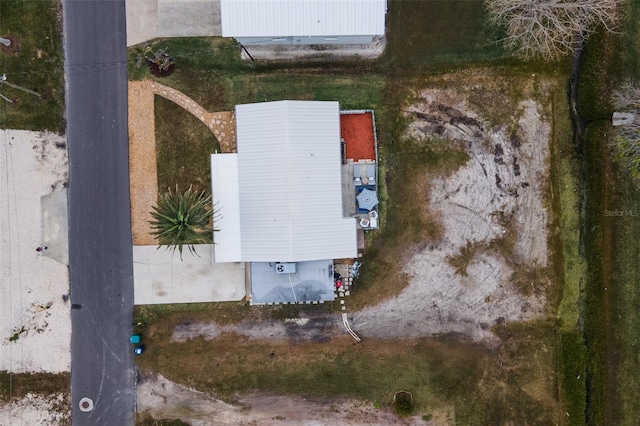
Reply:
x=182 y=219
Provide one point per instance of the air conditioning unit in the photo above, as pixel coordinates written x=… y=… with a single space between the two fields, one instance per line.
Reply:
x=285 y=268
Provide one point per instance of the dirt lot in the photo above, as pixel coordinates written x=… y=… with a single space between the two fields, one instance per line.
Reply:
x=489 y=267
x=164 y=399
x=494 y=227
x=37 y=410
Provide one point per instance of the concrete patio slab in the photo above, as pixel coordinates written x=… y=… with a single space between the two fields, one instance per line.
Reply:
x=149 y=19
x=161 y=277
x=189 y=18
x=55 y=226
x=312 y=282
x=142 y=21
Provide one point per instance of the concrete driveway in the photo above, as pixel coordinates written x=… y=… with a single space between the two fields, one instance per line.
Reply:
x=149 y=19
x=161 y=277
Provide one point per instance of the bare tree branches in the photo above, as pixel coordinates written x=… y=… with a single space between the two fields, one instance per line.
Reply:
x=627 y=137
x=627 y=97
x=551 y=28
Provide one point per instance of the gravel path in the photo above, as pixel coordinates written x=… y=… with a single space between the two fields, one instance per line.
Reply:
x=142 y=161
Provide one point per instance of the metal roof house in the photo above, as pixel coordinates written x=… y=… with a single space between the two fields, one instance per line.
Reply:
x=303 y=22
x=280 y=200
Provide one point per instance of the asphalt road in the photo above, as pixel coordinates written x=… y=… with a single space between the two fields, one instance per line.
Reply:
x=100 y=258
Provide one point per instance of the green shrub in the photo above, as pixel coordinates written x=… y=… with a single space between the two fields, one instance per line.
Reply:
x=403 y=403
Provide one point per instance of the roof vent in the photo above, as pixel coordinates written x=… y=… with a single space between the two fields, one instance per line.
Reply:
x=285 y=268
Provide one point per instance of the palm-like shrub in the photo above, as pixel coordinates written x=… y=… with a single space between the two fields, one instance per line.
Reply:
x=160 y=57
x=182 y=219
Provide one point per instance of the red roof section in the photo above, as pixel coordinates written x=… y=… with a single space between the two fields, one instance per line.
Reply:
x=357 y=132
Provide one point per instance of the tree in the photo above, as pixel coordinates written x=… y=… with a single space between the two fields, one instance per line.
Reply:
x=549 y=29
x=626 y=140
x=627 y=97
x=183 y=219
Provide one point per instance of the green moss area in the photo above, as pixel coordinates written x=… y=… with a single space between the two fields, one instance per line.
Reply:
x=14 y=385
x=37 y=65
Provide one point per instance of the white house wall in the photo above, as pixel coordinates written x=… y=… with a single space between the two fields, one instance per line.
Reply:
x=299 y=40
x=225 y=193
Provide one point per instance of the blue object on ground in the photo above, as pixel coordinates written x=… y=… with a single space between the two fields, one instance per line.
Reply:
x=139 y=350
x=134 y=339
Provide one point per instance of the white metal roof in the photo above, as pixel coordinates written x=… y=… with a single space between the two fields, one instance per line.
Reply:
x=289 y=184
x=282 y=18
x=225 y=190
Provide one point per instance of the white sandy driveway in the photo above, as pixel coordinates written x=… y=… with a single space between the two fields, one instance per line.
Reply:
x=32 y=285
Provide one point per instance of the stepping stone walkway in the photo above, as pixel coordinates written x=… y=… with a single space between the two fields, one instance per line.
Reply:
x=221 y=124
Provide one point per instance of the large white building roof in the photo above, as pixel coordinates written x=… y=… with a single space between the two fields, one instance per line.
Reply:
x=289 y=186
x=283 y=18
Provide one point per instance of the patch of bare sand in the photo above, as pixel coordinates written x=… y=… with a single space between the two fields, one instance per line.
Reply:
x=37 y=410
x=35 y=313
x=163 y=399
x=497 y=194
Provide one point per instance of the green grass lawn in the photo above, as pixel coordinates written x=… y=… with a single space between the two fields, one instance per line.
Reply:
x=424 y=33
x=183 y=147
x=612 y=318
x=471 y=383
x=13 y=386
x=611 y=243
x=36 y=66
x=569 y=264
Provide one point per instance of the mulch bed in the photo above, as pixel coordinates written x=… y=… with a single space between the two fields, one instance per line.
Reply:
x=357 y=132
x=157 y=72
